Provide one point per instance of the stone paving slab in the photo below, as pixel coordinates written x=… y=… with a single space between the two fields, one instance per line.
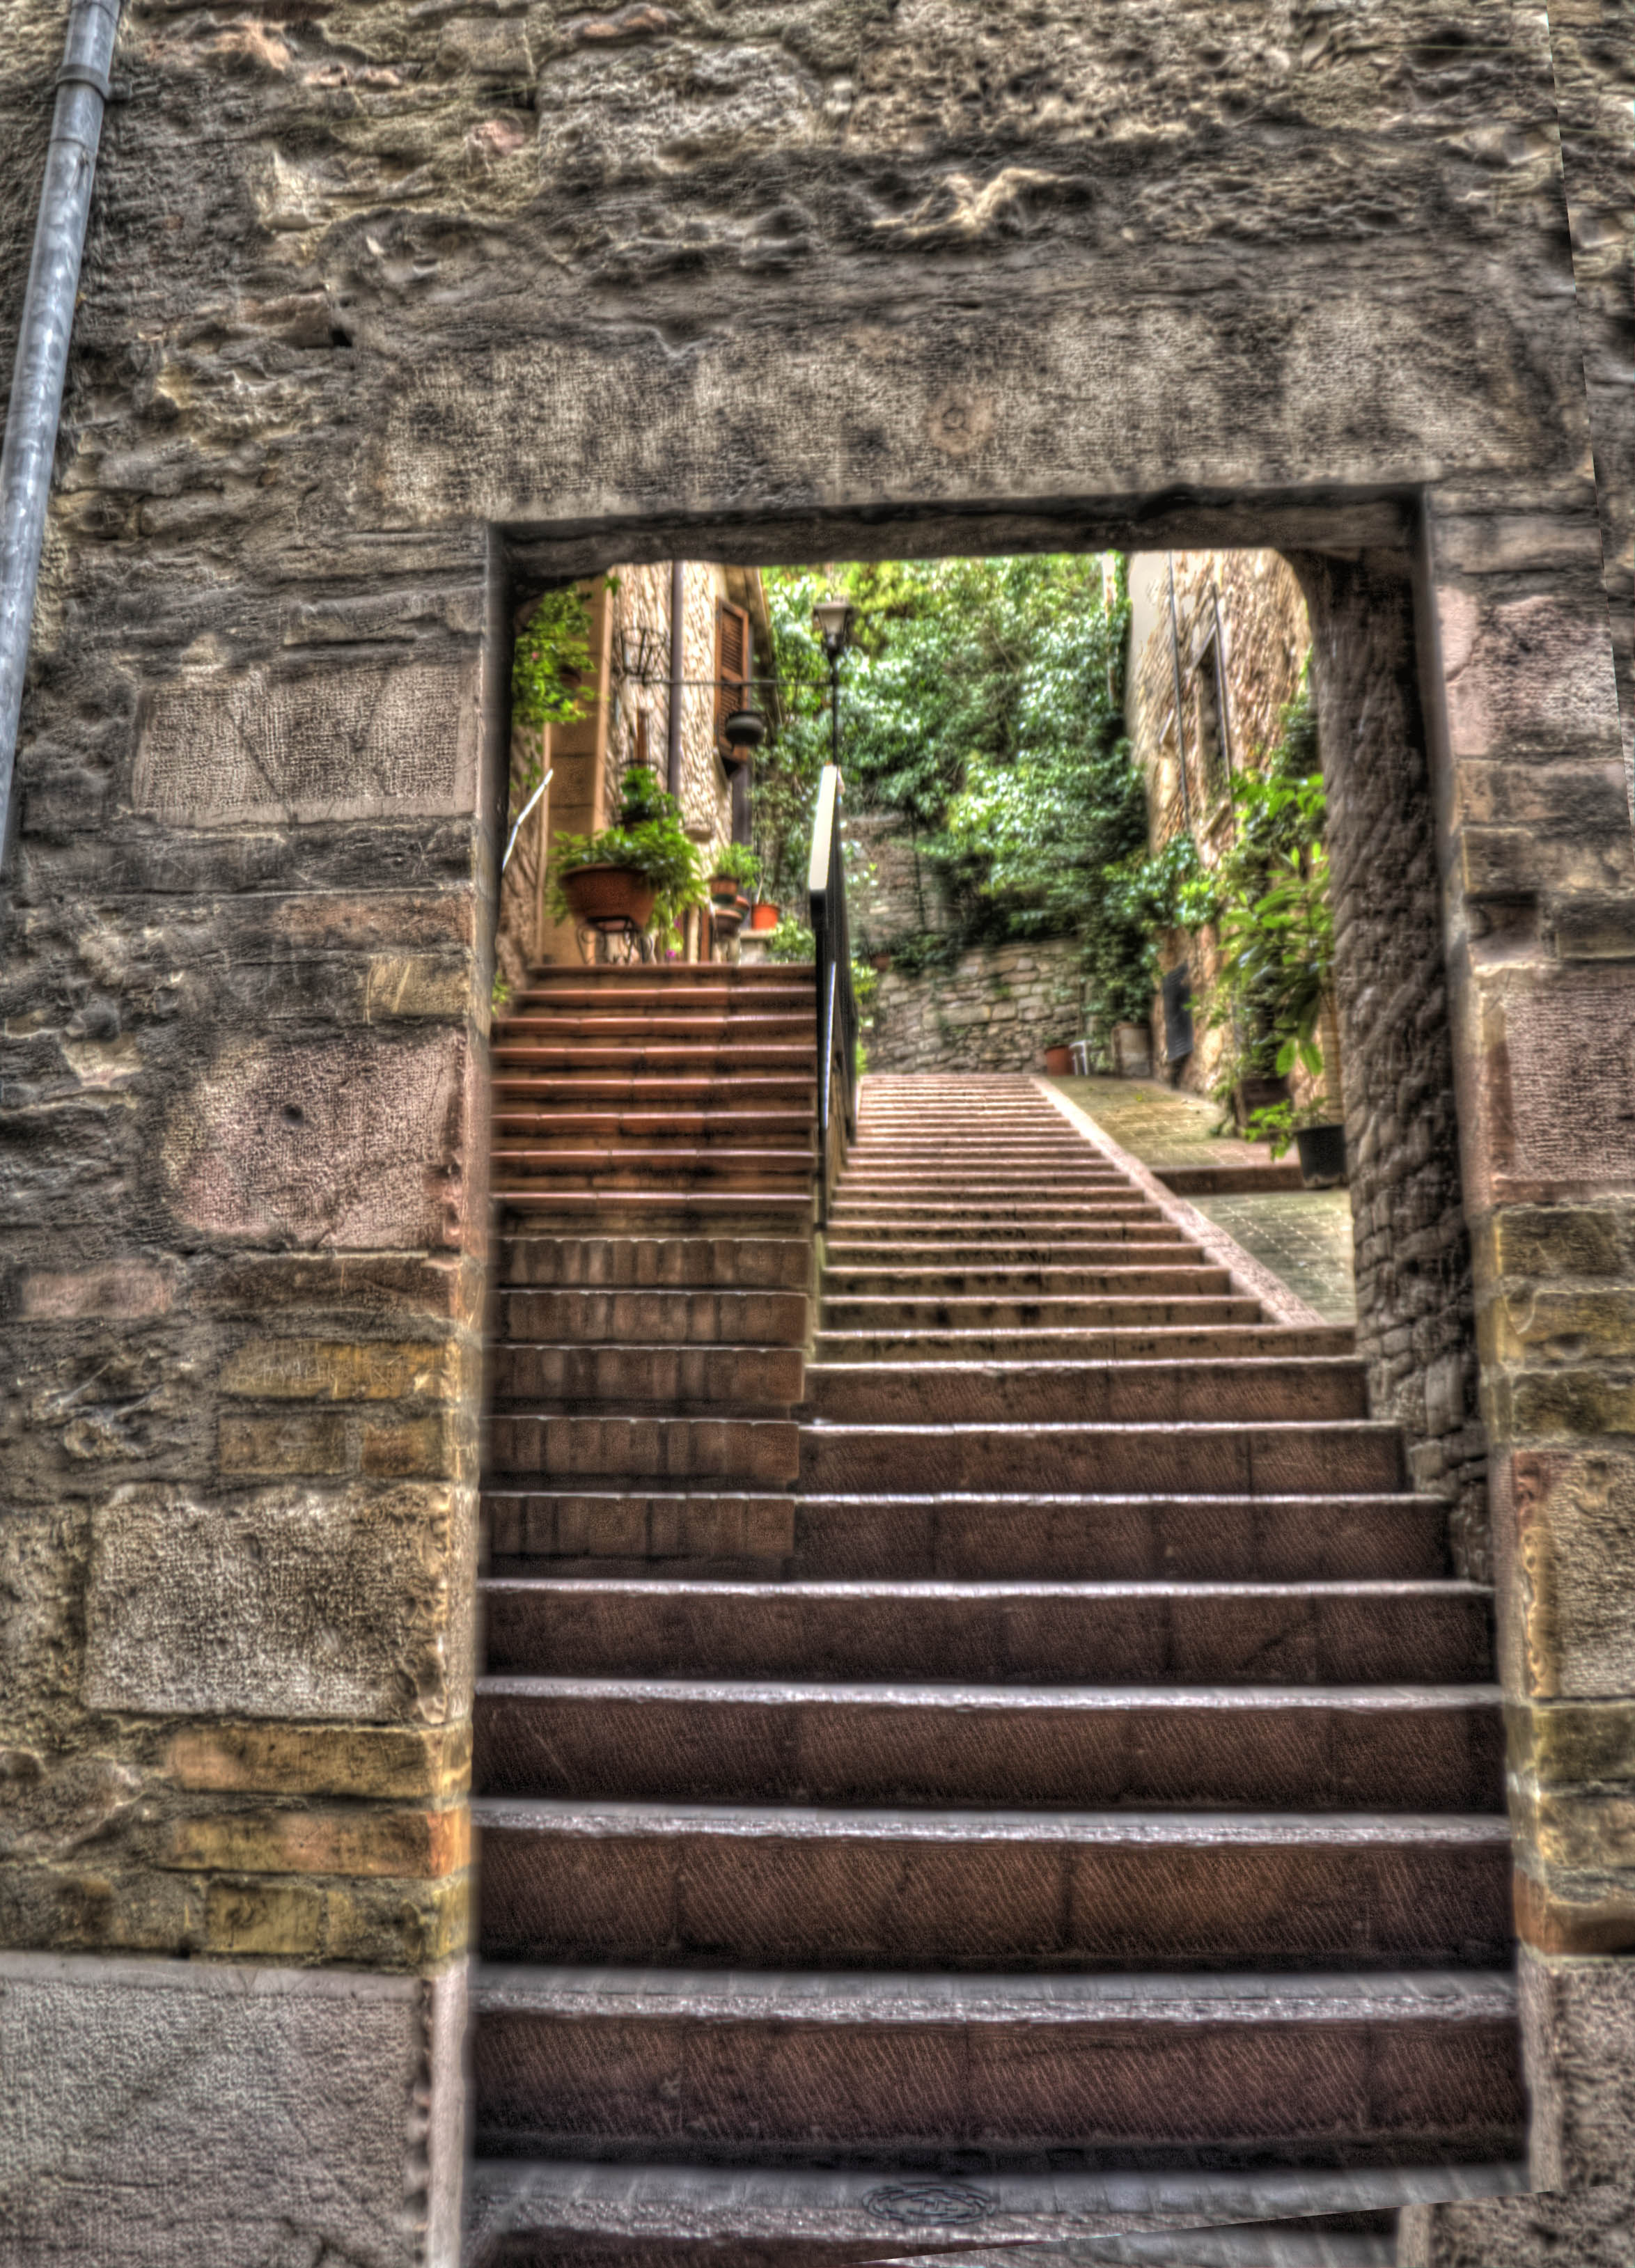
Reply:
x=1303 y=1236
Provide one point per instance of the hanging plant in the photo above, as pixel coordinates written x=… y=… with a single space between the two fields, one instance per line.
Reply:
x=551 y=662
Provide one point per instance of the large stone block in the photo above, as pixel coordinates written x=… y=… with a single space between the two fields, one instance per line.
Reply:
x=354 y=1141
x=1578 y=2023
x=342 y=742
x=1565 y=1534
x=1589 y=2229
x=283 y=1603
x=225 y=2117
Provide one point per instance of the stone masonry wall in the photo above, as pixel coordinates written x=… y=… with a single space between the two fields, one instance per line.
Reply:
x=389 y=311
x=998 y=1009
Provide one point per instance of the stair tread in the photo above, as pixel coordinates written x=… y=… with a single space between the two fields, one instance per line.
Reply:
x=871 y=2206
x=1245 y=1700
x=1135 y=1829
x=884 y=1997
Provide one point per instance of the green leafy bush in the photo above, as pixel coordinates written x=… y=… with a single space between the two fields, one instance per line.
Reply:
x=737 y=862
x=549 y=660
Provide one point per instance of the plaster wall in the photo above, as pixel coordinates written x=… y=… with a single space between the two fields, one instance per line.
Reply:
x=385 y=311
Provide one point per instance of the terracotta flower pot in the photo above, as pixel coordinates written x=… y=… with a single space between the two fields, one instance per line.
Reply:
x=764 y=918
x=1058 y=1060
x=609 y=894
x=724 y=889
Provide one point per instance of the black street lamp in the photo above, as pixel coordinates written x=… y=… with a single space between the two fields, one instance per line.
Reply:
x=831 y=619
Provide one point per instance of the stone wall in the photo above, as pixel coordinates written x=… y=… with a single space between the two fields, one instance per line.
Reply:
x=390 y=315
x=997 y=1009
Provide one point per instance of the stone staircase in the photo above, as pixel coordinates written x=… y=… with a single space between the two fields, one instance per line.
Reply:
x=1076 y=1806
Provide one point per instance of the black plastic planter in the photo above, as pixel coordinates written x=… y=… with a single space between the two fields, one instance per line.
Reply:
x=1322 y=1155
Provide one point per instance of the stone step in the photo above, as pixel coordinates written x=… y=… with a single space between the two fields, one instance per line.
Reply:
x=620 y=1264
x=652 y=1318
x=1287 y=2247
x=673 y=975
x=661 y=1212
x=549 y=1126
x=1225 y=1342
x=626 y=1166
x=1263 y=1747
x=568 y=2212
x=1015 y=1633
x=655 y=1377
x=917 y=1393
x=1058 y=1276
x=719 y=1060
x=568 y=1090
x=1120 y=1538
x=967 y=1217
x=935 y=1323
x=746 y=1888
x=747 y=1453
x=781 y=2065
x=666 y=999
x=1051 y=1245
x=609 y=1528
x=700 y=1026
x=1187 y=1457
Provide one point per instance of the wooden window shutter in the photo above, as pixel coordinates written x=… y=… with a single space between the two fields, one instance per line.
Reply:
x=732 y=664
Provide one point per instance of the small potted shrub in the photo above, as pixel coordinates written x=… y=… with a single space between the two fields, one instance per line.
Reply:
x=1058 y=1058
x=737 y=870
x=640 y=872
x=1316 y=1133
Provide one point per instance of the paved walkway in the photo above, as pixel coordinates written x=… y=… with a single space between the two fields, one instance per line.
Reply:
x=1304 y=1236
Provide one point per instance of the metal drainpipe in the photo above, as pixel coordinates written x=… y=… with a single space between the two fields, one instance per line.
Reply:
x=677 y=674
x=1181 y=734
x=47 y=318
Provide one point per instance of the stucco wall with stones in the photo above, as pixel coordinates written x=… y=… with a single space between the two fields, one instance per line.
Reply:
x=997 y=1009
x=383 y=306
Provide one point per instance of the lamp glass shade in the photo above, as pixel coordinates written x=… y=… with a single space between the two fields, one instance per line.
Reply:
x=832 y=620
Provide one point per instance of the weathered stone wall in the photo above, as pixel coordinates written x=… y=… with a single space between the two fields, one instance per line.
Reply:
x=997 y=1009
x=384 y=306
x=1411 y=1247
x=891 y=891
x=1250 y=603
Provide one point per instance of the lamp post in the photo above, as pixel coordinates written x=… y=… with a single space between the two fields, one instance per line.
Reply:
x=831 y=619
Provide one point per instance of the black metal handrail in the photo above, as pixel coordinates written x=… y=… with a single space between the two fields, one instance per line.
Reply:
x=836 y=1005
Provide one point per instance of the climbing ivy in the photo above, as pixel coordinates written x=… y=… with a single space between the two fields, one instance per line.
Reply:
x=550 y=661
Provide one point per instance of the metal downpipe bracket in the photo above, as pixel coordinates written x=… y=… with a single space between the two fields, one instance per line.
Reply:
x=42 y=341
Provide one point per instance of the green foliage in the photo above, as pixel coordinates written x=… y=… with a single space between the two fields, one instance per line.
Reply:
x=1276 y=980
x=1280 y=1122
x=550 y=660
x=790 y=940
x=740 y=863
x=982 y=701
x=646 y=839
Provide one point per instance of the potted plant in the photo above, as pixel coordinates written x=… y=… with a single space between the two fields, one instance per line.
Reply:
x=765 y=916
x=1058 y=1058
x=641 y=872
x=1312 y=1130
x=737 y=870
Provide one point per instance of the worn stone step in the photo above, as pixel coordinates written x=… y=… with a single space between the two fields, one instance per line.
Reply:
x=1131 y=1537
x=561 y=1127
x=975 y=1223
x=806 y=2065
x=573 y=1090
x=1262 y=1459
x=620 y=1264
x=1018 y=1632
x=1250 y=1390
x=753 y=1887
x=626 y=1166
x=596 y=1529
x=699 y=1026
x=749 y=1453
x=728 y=1211
x=653 y=1318
x=1016 y=1342
x=657 y=1378
x=715 y=1059
x=931 y=1323
x=1254 y=2247
x=1264 y=1747
x=567 y=999
x=674 y=975
x=663 y=2211
x=1067 y=1244
x=1127 y=1275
